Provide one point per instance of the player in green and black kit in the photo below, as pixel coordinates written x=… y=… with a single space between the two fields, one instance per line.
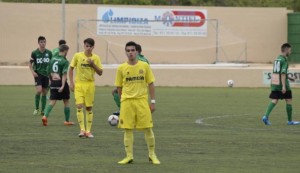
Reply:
x=38 y=65
x=55 y=51
x=115 y=94
x=280 y=86
x=59 y=88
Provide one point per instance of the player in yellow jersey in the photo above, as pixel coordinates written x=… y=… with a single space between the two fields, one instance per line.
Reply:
x=86 y=64
x=134 y=79
x=115 y=94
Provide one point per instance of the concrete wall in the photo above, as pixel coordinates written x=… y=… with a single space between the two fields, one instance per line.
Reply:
x=264 y=29
x=194 y=76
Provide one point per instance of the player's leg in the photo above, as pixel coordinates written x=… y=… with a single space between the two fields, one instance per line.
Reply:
x=127 y=121
x=79 y=99
x=117 y=100
x=144 y=121
x=150 y=140
x=89 y=100
x=89 y=122
x=67 y=112
x=270 y=107
x=289 y=108
x=47 y=112
x=65 y=95
x=38 y=89
x=45 y=85
x=128 y=143
x=274 y=96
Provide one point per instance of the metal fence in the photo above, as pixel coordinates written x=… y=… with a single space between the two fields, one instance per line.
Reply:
x=218 y=45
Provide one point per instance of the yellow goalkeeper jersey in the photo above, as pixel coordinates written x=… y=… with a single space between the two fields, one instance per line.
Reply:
x=84 y=72
x=134 y=80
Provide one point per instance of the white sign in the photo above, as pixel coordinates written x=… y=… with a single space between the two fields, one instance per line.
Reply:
x=267 y=77
x=151 y=22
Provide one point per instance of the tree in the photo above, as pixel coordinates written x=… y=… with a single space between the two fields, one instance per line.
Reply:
x=296 y=5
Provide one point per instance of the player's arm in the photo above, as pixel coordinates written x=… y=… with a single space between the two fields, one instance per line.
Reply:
x=71 y=77
x=64 y=79
x=119 y=89
x=31 y=61
x=94 y=65
x=283 y=78
x=152 y=96
x=70 y=72
x=114 y=91
x=283 y=75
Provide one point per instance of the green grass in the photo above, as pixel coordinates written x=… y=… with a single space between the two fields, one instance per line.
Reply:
x=229 y=138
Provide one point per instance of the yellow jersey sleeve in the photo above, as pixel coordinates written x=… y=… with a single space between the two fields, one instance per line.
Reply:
x=74 y=61
x=119 y=77
x=97 y=62
x=149 y=75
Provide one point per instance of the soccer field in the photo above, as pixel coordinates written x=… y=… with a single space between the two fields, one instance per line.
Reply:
x=197 y=130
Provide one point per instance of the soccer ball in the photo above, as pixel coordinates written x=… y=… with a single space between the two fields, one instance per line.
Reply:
x=230 y=83
x=113 y=120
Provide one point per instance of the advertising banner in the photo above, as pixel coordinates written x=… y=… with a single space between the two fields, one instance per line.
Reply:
x=151 y=22
x=268 y=74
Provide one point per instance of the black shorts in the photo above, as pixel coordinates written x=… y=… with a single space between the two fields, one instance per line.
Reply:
x=41 y=81
x=55 y=95
x=280 y=95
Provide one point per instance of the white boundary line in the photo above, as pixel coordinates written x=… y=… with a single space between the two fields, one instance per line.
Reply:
x=200 y=121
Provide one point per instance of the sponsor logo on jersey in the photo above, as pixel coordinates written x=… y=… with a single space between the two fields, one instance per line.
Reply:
x=85 y=65
x=141 y=71
x=135 y=78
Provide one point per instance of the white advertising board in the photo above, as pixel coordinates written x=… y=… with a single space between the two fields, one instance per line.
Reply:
x=151 y=22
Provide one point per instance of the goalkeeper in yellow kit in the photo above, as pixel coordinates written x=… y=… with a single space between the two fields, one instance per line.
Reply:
x=133 y=79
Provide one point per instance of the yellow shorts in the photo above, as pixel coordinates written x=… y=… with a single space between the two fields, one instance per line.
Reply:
x=135 y=114
x=84 y=93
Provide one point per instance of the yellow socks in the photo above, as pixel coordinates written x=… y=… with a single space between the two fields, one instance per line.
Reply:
x=89 y=120
x=150 y=140
x=128 y=142
x=80 y=118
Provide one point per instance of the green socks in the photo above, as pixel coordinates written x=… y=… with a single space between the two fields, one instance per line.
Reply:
x=67 y=113
x=289 y=111
x=117 y=99
x=66 y=110
x=44 y=100
x=48 y=110
x=270 y=108
x=37 y=101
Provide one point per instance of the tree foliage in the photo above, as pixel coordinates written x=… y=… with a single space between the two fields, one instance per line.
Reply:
x=290 y=4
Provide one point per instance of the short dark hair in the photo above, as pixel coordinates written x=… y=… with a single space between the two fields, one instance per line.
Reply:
x=41 y=38
x=60 y=42
x=131 y=43
x=63 y=48
x=285 y=46
x=89 y=41
x=138 y=48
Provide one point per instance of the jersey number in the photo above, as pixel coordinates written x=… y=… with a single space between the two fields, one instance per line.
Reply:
x=55 y=67
x=276 y=68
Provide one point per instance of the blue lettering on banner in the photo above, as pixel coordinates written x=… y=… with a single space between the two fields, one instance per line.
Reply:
x=108 y=17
